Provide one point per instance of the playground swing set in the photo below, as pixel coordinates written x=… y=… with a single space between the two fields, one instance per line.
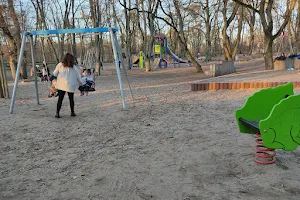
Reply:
x=116 y=50
x=273 y=115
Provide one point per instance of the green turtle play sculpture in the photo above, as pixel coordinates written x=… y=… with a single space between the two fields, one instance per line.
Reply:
x=273 y=114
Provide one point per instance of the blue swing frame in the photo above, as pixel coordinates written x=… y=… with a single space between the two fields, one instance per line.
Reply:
x=116 y=49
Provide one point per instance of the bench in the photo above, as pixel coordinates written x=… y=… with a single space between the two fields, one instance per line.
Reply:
x=274 y=113
x=254 y=124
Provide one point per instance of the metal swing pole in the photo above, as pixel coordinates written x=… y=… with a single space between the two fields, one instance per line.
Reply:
x=117 y=67
x=123 y=64
x=13 y=98
x=34 y=69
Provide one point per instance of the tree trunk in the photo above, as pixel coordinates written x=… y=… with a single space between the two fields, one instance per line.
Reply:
x=12 y=65
x=182 y=38
x=128 y=34
x=191 y=58
x=98 y=40
x=17 y=36
x=291 y=38
x=268 y=52
x=226 y=45
x=12 y=56
x=95 y=17
x=251 y=43
x=43 y=49
x=82 y=49
x=145 y=44
x=228 y=52
x=238 y=38
x=74 y=50
x=297 y=36
x=208 y=32
x=4 y=93
x=1 y=90
x=151 y=41
x=147 y=65
x=61 y=42
x=142 y=30
x=208 y=42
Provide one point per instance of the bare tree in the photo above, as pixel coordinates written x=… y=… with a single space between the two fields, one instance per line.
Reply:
x=96 y=20
x=39 y=6
x=13 y=49
x=208 y=13
x=250 y=19
x=151 y=14
x=297 y=31
x=266 y=18
x=141 y=19
x=176 y=21
x=17 y=35
x=10 y=26
x=230 y=49
x=128 y=31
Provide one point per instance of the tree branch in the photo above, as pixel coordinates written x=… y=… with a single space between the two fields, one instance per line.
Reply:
x=246 y=5
x=286 y=18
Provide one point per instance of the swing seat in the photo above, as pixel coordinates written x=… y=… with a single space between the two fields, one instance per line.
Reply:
x=92 y=89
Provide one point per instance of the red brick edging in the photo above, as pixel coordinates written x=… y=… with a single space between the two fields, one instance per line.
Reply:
x=236 y=85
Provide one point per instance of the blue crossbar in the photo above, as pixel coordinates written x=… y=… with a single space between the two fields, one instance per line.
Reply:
x=75 y=30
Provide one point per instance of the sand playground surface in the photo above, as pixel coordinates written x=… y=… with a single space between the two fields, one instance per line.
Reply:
x=171 y=143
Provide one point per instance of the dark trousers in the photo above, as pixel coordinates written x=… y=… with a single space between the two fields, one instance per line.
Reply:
x=85 y=87
x=61 y=95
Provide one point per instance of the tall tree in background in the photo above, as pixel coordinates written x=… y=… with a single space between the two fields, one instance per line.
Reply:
x=74 y=50
x=13 y=49
x=41 y=24
x=297 y=31
x=250 y=19
x=10 y=26
x=266 y=18
x=176 y=22
x=151 y=13
x=209 y=12
x=17 y=35
x=141 y=19
x=128 y=31
x=96 y=21
x=230 y=49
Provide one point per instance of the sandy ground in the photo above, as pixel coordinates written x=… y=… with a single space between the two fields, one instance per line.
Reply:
x=171 y=144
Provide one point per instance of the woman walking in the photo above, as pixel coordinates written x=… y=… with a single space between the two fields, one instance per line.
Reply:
x=68 y=78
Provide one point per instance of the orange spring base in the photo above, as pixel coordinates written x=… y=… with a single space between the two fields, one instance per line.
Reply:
x=264 y=156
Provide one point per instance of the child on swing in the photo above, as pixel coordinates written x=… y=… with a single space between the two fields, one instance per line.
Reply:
x=88 y=78
x=52 y=91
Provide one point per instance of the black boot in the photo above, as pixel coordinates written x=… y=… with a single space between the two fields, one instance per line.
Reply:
x=57 y=115
x=58 y=109
x=72 y=108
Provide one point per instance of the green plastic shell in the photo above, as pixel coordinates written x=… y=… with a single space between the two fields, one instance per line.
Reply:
x=281 y=129
x=260 y=104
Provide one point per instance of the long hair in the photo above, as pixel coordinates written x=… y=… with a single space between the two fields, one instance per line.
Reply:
x=68 y=60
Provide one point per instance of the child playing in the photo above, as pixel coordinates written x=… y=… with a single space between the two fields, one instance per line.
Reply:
x=88 y=78
x=45 y=72
x=52 y=91
x=81 y=70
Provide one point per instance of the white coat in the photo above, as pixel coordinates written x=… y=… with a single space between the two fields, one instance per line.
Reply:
x=68 y=78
